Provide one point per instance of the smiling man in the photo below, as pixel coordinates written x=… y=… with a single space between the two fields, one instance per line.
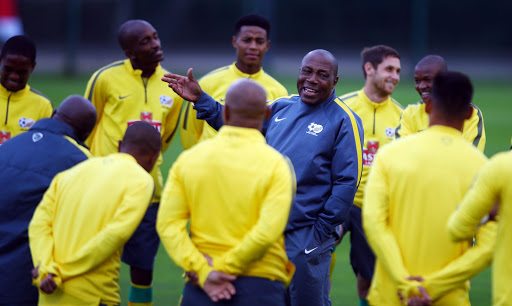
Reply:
x=251 y=41
x=415 y=118
x=20 y=105
x=323 y=139
x=380 y=115
x=123 y=93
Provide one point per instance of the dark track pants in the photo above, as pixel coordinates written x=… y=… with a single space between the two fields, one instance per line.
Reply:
x=309 y=248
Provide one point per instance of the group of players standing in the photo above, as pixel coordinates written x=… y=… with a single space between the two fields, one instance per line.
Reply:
x=240 y=195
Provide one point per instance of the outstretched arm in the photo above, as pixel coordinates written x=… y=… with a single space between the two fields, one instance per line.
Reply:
x=186 y=87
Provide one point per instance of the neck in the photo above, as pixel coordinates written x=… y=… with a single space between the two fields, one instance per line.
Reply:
x=147 y=70
x=375 y=95
x=249 y=69
x=246 y=123
x=439 y=120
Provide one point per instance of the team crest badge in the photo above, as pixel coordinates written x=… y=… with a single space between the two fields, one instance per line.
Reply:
x=314 y=129
x=37 y=136
x=166 y=100
x=26 y=123
x=390 y=132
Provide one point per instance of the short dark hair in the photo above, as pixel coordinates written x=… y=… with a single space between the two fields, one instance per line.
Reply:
x=452 y=93
x=376 y=55
x=20 y=45
x=143 y=138
x=252 y=20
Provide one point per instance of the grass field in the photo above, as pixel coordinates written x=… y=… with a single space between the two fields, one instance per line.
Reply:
x=493 y=97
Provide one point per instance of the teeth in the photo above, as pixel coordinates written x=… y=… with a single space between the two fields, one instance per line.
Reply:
x=310 y=90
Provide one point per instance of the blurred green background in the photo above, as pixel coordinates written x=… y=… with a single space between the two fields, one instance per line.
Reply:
x=493 y=97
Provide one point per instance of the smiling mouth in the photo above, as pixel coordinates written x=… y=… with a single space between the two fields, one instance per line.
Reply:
x=310 y=91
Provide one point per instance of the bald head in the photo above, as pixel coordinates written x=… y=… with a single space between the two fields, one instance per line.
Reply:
x=79 y=113
x=129 y=32
x=326 y=55
x=245 y=104
x=143 y=142
x=424 y=73
x=433 y=62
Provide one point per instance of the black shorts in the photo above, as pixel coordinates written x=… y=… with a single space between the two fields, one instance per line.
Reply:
x=140 y=250
x=362 y=258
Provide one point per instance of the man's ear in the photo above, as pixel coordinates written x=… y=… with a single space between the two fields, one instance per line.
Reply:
x=368 y=68
x=129 y=54
x=233 y=42
x=470 y=113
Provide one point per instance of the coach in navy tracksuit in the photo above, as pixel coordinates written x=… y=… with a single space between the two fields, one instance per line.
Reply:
x=28 y=163
x=323 y=138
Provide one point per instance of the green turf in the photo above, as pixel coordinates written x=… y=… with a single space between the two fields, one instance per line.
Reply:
x=492 y=97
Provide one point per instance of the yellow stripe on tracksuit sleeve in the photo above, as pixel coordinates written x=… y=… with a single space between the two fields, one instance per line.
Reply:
x=357 y=138
x=81 y=148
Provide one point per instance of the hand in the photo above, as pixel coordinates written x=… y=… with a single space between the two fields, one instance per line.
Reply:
x=494 y=213
x=423 y=300
x=192 y=276
x=35 y=272
x=186 y=87
x=218 y=286
x=48 y=285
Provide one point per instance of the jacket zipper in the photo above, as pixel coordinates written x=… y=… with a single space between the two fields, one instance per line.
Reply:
x=145 y=90
x=7 y=110
x=374 y=111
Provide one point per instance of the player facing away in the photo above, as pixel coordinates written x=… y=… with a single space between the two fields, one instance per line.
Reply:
x=251 y=41
x=415 y=118
x=492 y=186
x=380 y=115
x=414 y=185
x=237 y=199
x=20 y=105
x=323 y=139
x=123 y=93
x=29 y=162
x=86 y=216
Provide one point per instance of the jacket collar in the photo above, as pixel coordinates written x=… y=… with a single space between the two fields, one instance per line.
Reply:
x=21 y=92
x=240 y=74
x=56 y=127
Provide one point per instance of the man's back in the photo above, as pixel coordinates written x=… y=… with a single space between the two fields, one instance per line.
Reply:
x=231 y=185
x=91 y=209
x=415 y=119
x=29 y=162
x=493 y=186
x=423 y=178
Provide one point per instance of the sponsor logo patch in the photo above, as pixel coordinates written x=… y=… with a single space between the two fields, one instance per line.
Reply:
x=369 y=152
x=148 y=117
x=4 y=136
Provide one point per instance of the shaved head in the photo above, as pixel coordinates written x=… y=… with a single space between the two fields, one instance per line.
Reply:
x=129 y=32
x=326 y=55
x=79 y=113
x=424 y=73
x=435 y=62
x=245 y=104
